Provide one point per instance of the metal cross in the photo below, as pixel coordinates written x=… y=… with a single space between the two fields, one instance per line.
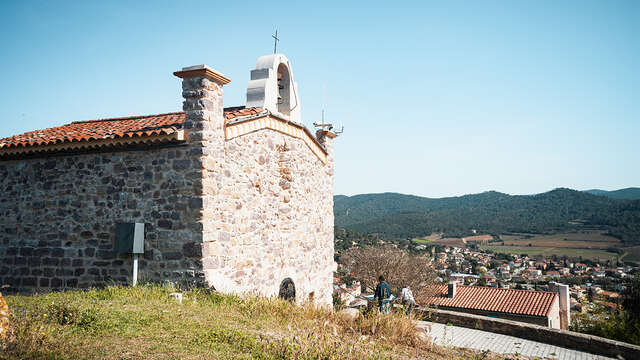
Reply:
x=275 y=41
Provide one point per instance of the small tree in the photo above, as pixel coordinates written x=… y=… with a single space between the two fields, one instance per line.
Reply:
x=631 y=300
x=397 y=266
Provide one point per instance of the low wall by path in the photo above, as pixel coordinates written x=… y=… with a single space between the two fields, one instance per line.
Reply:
x=568 y=339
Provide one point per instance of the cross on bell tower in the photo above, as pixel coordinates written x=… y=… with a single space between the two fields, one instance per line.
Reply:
x=275 y=41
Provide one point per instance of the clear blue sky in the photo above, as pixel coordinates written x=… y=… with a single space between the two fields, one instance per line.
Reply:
x=437 y=99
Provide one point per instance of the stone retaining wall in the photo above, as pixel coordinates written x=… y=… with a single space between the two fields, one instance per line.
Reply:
x=568 y=339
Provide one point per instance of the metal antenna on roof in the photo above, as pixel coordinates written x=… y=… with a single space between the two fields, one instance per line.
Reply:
x=275 y=41
x=323 y=125
x=324 y=100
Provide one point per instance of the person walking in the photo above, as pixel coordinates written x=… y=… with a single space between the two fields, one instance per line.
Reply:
x=383 y=294
x=407 y=299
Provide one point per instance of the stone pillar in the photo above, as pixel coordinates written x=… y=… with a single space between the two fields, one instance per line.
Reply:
x=326 y=138
x=204 y=123
x=203 y=106
x=564 y=304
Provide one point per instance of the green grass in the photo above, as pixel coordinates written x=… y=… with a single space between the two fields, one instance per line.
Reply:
x=631 y=254
x=549 y=251
x=591 y=239
x=422 y=241
x=143 y=323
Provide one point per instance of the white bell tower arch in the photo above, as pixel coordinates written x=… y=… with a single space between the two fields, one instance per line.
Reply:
x=273 y=88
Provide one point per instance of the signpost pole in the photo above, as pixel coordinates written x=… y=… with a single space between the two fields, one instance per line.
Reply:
x=135 y=269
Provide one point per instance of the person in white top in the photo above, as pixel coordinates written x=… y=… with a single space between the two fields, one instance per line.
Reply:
x=407 y=299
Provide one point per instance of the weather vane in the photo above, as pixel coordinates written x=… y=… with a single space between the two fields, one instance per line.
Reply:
x=275 y=41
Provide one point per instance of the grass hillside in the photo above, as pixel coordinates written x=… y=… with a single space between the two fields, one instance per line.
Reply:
x=143 y=323
x=632 y=193
x=398 y=216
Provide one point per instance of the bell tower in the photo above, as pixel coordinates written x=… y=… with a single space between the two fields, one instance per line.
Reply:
x=272 y=87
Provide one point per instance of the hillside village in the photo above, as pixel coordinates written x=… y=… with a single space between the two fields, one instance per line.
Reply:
x=470 y=267
x=595 y=289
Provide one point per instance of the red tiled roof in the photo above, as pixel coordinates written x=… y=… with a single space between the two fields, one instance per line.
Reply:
x=241 y=111
x=132 y=126
x=512 y=301
x=610 y=294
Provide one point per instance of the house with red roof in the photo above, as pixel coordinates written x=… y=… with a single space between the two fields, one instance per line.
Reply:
x=239 y=199
x=535 y=307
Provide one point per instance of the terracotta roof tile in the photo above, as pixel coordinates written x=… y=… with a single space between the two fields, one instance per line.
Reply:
x=132 y=126
x=241 y=111
x=512 y=301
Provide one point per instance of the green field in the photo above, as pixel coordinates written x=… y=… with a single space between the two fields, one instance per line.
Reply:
x=422 y=241
x=631 y=254
x=587 y=239
x=588 y=244
x=549 y=251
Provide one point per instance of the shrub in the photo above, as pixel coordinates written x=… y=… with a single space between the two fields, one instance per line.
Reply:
x=69 y=314
x=397 y=266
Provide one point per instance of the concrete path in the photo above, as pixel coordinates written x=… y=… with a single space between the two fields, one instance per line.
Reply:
x=447 y=335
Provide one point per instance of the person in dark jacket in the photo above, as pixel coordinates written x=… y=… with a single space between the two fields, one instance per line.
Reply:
x=383 y=294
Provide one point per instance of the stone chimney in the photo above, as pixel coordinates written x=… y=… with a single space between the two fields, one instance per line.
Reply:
x=452 y=289
x=202 y=92
x=204 y=124
x=204 y=111
x=564 y=304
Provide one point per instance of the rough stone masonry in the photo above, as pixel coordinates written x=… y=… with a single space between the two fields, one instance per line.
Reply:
x=238 y=199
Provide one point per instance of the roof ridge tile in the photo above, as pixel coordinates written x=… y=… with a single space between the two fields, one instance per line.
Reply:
x=132 y=117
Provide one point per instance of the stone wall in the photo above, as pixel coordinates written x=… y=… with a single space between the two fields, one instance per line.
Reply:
x=267 y=202
x=58 y=216
x=554 y=316
x=275 y=215
x=568 y=339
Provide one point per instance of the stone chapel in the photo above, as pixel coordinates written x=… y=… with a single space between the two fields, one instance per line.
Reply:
x=239 y=198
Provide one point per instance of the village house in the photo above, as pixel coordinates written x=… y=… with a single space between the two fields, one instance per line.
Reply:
x=463 y=278
x=536 y=307
x=579 y=267
x=347 y=293
x=552 y=274
x=534 y=272
x=239 y=198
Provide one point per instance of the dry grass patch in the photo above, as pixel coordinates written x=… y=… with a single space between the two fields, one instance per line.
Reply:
x=143 y=323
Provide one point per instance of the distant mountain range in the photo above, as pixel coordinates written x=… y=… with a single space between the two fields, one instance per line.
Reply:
x=399 y=216
x=632 y=193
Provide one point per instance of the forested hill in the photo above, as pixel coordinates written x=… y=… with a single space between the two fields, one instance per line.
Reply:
x=398 y=216
x=632 y=193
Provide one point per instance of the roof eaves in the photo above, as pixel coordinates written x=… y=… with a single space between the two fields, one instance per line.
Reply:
x=84 y=144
